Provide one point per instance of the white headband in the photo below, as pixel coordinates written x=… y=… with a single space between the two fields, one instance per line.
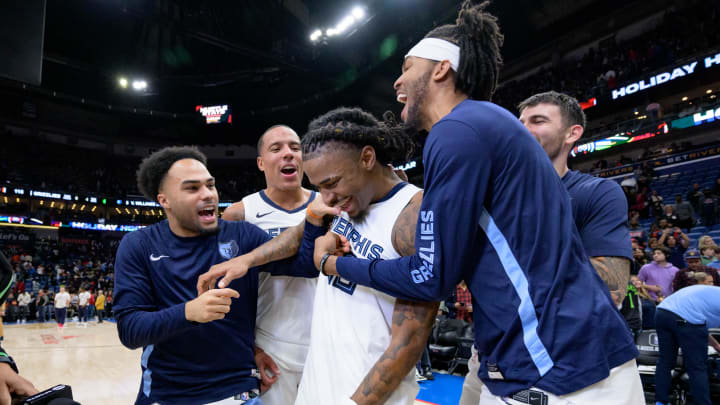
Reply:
x=437 y=50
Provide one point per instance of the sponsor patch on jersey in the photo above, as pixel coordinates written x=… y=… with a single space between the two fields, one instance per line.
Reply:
x=228 y=250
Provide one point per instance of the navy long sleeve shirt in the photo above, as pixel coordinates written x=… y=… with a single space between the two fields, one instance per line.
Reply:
x=156 y=274
x=496 y=214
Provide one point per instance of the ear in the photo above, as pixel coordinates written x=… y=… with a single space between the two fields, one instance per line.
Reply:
x=260 y=164
x=574 y=135
x=163 y=201
x=367 y=157
x=441 y=71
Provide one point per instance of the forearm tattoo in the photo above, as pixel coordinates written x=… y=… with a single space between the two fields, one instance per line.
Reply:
x=615 y=272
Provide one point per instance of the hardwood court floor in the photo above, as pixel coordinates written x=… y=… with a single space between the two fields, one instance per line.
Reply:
x=91 y=360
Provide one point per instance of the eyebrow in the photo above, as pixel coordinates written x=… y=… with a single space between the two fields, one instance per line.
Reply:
x=281 y=142
x=538 y=116
x=197 y=181
x=328 y=180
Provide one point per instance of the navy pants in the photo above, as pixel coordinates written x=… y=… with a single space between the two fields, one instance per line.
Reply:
x=83 y=313
x=673 y=332
x=60 y=315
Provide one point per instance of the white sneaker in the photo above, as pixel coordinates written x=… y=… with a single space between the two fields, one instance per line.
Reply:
x=419 y=377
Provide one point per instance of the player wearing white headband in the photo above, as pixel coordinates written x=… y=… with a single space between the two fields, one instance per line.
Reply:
x=496 y=215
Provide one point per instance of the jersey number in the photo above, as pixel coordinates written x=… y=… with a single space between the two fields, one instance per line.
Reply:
x=345 y=286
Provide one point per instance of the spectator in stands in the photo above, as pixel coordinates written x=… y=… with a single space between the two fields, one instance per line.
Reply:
x=708 y=254
x=715 y=264
x=694 y=272
x=669 y=216
x=639 y=260
x=657 y=277
x=682 y=321
x=677 y=250
x=685 y=213
x=646 y=302
x=704 y=242
x=708 y=208
x=656 y=202
x=42 y=304
x=463 y=302
x=24 y=300
x=636 y=232
x=694 y=196
x=631 y=310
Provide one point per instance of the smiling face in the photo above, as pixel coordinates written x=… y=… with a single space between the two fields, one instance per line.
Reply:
x=342 y=174
x=412 y=89
x=281 y=159
x=190 y=199
x=546 y=123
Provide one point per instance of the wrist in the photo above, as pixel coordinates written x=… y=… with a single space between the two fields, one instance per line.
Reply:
x=313 y=217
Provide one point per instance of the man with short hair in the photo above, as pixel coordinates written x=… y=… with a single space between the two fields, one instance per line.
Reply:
x=685 y=213
x=100 y=306
x=657 y=277
x=62 y=299
x=687 y=276
x=157 y=306
x=83 y=298
x=284 y=315
x=677 y=250
x=682 y=321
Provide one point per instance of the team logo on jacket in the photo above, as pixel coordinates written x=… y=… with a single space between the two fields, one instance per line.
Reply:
x=228 y=250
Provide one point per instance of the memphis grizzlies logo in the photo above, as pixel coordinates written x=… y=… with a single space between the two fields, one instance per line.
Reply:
x=228 y=250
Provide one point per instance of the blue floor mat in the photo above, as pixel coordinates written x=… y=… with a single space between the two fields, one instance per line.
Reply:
x=445 y=389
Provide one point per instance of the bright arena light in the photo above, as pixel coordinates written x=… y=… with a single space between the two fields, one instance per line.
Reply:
x=315 y=35
x=139 y=84
x=123 y=82
x=358 y=12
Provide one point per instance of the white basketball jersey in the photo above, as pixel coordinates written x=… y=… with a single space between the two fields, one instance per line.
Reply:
x=284 y=308
x=351 y=324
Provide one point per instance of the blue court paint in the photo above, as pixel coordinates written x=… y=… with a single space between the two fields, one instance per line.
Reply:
x=445 y=389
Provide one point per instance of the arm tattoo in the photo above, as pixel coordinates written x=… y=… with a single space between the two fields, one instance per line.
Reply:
x=280 y=247
x=403 y=233
x=615 y=272
x=411 y=326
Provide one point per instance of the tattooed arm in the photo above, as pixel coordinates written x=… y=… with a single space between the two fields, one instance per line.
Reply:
x=412 y=323
x=281 y=247
x=615 y=272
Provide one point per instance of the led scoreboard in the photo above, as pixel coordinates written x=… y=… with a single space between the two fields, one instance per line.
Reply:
x=215 y=114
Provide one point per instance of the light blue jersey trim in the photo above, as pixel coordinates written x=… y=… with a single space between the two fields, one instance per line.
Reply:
x=526 y=310
x=147 y=374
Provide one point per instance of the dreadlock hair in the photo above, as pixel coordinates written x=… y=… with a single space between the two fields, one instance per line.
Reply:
x=154 y=168
x=357 y=128
x=478 y=35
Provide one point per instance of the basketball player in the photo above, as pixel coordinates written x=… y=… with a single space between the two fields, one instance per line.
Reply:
x=496 y=214
x=282 y=329
x=364 y=341
x=364 y=344
x=195 y=349
x=599 y=206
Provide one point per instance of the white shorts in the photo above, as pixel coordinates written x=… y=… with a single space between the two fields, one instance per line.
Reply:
x=284 y=391
x=472 y=386
x=621 y=387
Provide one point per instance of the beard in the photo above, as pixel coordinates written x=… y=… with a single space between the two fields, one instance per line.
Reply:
x=418 y=89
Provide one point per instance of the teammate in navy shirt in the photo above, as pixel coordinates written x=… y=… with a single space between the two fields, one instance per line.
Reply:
x=496 y=214
x=195 y=349
x=599 y=205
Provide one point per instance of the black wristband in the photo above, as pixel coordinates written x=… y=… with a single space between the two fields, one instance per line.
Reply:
x=322 y=263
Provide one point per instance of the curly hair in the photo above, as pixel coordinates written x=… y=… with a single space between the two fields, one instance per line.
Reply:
x=477 y=33
x=154 y=168
x=357 y=128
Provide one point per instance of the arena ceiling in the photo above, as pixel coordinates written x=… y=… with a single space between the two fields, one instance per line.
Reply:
x=257 y=55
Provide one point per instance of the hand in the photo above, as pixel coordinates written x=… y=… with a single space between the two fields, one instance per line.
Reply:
x=330 y=243
x=469 y=308
x=269 y=371
x=11 y=382
x=319 y=208
x=229 y=271
x=458 y=305
x=210 y=306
